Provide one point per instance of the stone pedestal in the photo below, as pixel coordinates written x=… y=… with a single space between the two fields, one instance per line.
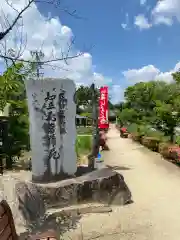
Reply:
x=31 y=202
x=52 y=112
x=101 y=186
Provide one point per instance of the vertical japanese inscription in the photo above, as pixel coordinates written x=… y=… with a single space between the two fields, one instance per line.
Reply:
x=50 y=117
x=102 y=110
x=62 y=108
x=52 y=128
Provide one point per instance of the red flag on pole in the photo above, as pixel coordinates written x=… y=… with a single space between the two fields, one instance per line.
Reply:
x=103 y=108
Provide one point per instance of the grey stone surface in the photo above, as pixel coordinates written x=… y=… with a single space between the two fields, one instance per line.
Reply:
x=104 y=185
x=30 y=201
x=52 y=112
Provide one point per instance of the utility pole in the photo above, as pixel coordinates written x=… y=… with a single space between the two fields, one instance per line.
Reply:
x=95 y=140
x=38 y=64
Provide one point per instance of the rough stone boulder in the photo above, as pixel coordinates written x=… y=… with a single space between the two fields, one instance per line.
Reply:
x=103 y=185
x=29 y=201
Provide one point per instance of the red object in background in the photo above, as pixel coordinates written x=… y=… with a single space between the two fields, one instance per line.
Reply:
x=124 y=130
x=103 y=122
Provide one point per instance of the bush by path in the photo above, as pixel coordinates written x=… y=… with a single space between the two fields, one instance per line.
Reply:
x=155 y=141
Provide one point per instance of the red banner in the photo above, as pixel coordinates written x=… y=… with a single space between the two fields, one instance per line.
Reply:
x=103 y=108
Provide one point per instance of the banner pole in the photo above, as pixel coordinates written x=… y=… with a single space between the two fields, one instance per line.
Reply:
x=95 y=137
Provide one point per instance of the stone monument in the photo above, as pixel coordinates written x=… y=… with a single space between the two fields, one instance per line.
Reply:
x=52 y=113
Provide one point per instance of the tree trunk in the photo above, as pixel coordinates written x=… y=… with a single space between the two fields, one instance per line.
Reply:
x=172 y=135
x=95 y=143
x=9 y=162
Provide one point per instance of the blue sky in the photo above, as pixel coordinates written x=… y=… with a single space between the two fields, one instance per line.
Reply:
x=127 y=41
x=116 y=49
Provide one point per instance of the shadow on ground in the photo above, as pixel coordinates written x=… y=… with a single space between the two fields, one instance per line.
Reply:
x=118 y=167
x=81 y=170
x=61 y=224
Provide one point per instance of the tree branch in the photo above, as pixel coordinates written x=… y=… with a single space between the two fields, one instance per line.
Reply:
x=42 y=62
x=13 y=55
x=3 y=34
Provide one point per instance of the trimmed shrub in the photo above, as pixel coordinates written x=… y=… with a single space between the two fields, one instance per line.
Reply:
x=136 y=137
x=151 y=143
x=133 y=128
x=163 y=149
x=175 y=155
x=168 y=150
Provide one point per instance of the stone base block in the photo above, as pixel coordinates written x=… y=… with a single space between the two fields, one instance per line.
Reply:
x=103 y=186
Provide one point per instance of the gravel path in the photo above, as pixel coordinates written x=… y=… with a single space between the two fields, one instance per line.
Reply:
x=155 y=187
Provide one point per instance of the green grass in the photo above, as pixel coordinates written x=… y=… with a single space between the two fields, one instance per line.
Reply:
x=83 y=144
x=84 y=130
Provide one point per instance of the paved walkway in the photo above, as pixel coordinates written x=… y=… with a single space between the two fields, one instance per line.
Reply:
x=155 y=187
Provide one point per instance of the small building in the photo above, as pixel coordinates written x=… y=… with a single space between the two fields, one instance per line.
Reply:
x=83 y=121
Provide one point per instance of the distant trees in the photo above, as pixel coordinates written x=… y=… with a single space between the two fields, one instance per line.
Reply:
x=154 y=103
x=84 y=98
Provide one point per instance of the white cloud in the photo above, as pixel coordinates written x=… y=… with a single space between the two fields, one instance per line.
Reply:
x=100 y=80
x=55 y=38
x=142 y=22
x=116 y=94
x=143 y=2
x=163 y=20
x=148 y=73
x=166 y=11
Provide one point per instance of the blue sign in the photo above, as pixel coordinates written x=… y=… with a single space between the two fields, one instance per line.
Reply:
x=99 y=156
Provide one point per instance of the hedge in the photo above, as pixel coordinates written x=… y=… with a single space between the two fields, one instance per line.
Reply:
x=155 y=141
x=151 y=143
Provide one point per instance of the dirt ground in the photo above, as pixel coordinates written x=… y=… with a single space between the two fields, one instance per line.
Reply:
x=155 y=188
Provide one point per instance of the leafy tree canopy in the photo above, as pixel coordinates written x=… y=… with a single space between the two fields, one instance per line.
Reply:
x=155 y=103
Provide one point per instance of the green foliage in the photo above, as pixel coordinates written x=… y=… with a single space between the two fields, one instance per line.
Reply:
x=132 y=128
x=12 y=91
x=177 y=140
x=128 y=115
x=11 y=84
x=176 y=76
x=84 y=98
x=153 y=103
